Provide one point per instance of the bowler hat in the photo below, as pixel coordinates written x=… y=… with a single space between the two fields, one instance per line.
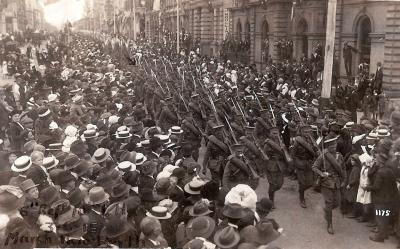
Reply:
x=71 y=161
x=96 y=196
x=78 y=147
x=264 y=205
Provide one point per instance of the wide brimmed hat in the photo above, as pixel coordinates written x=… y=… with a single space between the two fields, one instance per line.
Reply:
x=27 y=184
x=50 y=162
x=226 y=237
x=74 y=225
x=234 y=211
x=115 y=227
x=21 y=164
x=97 y=195
x=49 y=195
x=194 y=186
x=200 y=208
x=71 y=161
x=82 y=168
x=200 y=227
x=160 y=213
x=100 y=155
x=11 y=198
x=175 y=130
x=120 y=189
x=262 y=234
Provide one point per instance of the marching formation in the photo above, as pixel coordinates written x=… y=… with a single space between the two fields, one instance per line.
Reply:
x=109 y=143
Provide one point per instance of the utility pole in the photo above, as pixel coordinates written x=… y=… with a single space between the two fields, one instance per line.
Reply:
x=177 y=27
x=134 y=20
x=115 y=21
x=329 y=50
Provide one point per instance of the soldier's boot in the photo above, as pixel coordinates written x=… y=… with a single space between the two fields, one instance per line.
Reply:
x=302 y=199
x=328 y=217
x=271 y=195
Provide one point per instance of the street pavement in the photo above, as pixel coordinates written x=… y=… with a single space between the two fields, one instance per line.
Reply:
x=306 y=228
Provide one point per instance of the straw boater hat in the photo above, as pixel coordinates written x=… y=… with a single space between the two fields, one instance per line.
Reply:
x=126 y=166
x=140 y=159
x=21 y=164
x=160 y=213
x=50 y=162
x=43 y=112
x=100 y=155
x=175 y=130
x=90 y=134
x=123 y=134
x=194 y=186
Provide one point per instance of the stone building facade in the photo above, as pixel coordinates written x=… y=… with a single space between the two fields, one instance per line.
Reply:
x=370 y=26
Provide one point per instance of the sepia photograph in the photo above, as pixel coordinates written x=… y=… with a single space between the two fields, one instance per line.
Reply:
x=200 y=124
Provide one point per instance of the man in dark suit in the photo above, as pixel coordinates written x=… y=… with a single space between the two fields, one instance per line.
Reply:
x=17 y=133
x=348 y=58
x=378 y=78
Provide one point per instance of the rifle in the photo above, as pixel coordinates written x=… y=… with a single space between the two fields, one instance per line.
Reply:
x=286 y=154
x=309 y=135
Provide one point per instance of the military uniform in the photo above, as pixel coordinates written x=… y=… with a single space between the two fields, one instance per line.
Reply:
x=236 y=172
x=332 y=164
x=303 y=154
x=214 y=158
x=275 y=166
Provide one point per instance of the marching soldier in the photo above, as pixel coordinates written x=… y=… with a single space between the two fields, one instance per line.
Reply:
x=275 y=166
x=253 y=151
x=329 y=166
x=304 y=153
x=216 y=153
x=236 y=170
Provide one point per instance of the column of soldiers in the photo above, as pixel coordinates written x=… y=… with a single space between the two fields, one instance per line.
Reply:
x=218 y=122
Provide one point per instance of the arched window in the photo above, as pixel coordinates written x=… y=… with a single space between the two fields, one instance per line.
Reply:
x=364 y=39
x=239 y=30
